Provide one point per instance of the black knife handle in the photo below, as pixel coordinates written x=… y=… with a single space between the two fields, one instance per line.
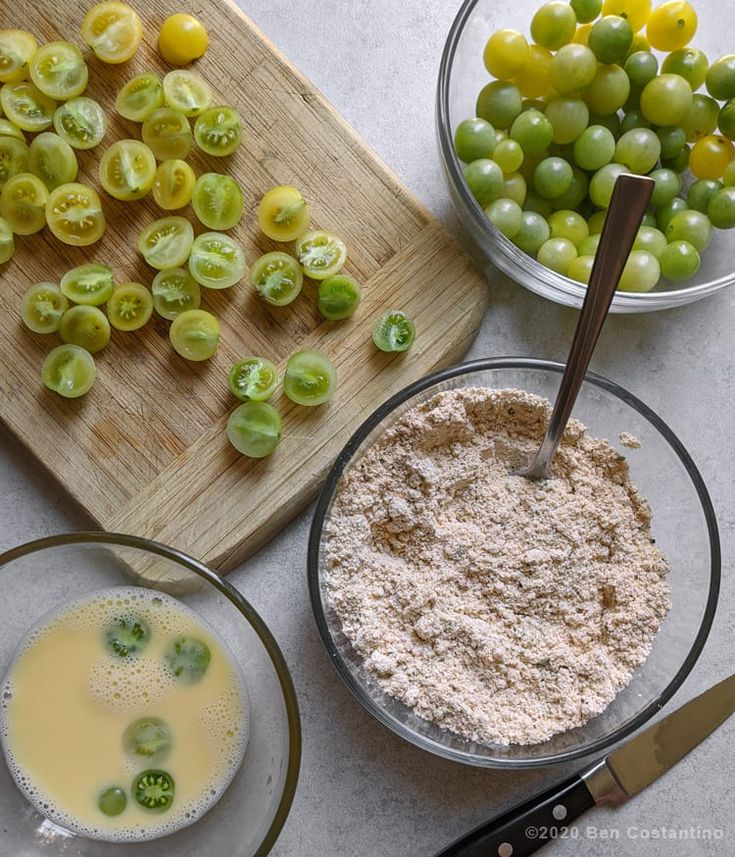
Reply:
x=528 y=827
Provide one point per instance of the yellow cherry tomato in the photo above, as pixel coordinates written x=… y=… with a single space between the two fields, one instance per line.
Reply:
x=582 y=34
x=173 y=185
x=127 y=170
x=671 y=25
x=182 y=39
x=506 y=52
x=534 y=79
x=710 y=156
x=639 y=43
x=22 y=203
x=637 y=12
x=16 y=49
x=283 y=213
x=113 y=30
x=74 y=214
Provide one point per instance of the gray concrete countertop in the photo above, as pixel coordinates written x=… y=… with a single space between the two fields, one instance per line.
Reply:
x=363 y=792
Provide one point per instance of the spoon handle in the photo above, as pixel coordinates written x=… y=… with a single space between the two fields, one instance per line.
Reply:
x=630 y=198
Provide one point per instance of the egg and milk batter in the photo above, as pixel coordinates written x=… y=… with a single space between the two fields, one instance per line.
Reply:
x=105 y=689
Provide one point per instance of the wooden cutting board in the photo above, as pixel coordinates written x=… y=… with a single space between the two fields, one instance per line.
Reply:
x=145 y=451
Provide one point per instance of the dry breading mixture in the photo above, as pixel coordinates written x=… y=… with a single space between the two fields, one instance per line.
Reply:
x=502 y=609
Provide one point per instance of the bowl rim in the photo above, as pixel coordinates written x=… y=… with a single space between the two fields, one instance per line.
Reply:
x=240 y=603
x=324 y=501
x=569 y=288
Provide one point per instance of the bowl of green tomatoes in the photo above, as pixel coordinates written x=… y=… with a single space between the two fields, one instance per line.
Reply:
x=541 y=107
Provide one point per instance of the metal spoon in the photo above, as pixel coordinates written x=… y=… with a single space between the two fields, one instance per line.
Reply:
x=629 y=202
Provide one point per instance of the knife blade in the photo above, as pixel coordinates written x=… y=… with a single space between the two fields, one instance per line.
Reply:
x=610 y=781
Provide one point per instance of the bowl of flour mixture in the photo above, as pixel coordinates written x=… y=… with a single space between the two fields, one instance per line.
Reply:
x=500 y=621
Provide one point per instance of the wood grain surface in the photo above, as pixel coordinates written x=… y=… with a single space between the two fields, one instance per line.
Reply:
x=145 y=451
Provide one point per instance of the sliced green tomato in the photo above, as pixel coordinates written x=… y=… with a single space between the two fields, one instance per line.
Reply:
x=218 y=131
x=85 y=326
x=112 y=801
x=148 y=739
x=154 y=790
x=175 y=291
x=16 y=49
x=394 y=331
x=173 y=184
x=42 y=308
x=127 y=635
x=187 y=92
x=339 y=297
x=59 y=71
x=253 y=379
x=168 y=134
x=321 y=254
x=81 y=122
x=255 y=429
x=194 y=334
x=74 y=214
x=7 y=242
x=52 y=159
x=22 y=203
x=69 y=371
x=216 y=261
x=10 y=129
x=167 y=242
x=13 y=158
x=89 y=285
x=130 y=306
x=188 y=658
x=113 y=30
x=310 y=378
x=26 y=106
x=217 y=201
x=277 y=278
x=140 y=96
x=127 y=170
x=283 y=213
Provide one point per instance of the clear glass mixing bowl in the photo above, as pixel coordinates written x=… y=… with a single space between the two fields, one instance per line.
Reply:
x=246 y=821
x=462 y=75
x=684 y=527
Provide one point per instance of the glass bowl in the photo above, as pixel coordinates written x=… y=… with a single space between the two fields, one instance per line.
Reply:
x=684 y=527
x=246 y=821
x=462 y=75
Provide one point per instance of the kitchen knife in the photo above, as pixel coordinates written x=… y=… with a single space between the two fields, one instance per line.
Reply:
x=610 y=781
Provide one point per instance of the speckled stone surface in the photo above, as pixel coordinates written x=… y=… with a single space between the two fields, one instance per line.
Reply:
x=363 y=792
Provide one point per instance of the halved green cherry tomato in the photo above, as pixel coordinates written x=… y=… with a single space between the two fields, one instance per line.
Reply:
x=182 y=39
x=216 y=261
x=166 y=243
x=218 y=131
x=217 y=201
x=129 y=306
x=187 y=92
x=194 y=334
x=188 y=658
x=59 y=71
x=173 y=184
x=154 y=790
x=74 y=214
x=253 y=379
x=394 y=331
x=113 y=31
x=277 y=278
x=321 y=254
x=16 y=50
x=26 y=106
x=127 y=170
x=112 y=801
x=89 y=285
x=127 y=635
x=69 y=371
x=10 y=129
x=52 y=159
x=22 y=203
x=13 y=158
x=81 y=122
x=283 y=213
x=310 y=378
x=140 y=96
x=168 y=134
x=7 y=242
x=42 y=308
x=148 y=739
x=254 y=429
x=338 y=296
x=85 y=326
x=175 y=291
